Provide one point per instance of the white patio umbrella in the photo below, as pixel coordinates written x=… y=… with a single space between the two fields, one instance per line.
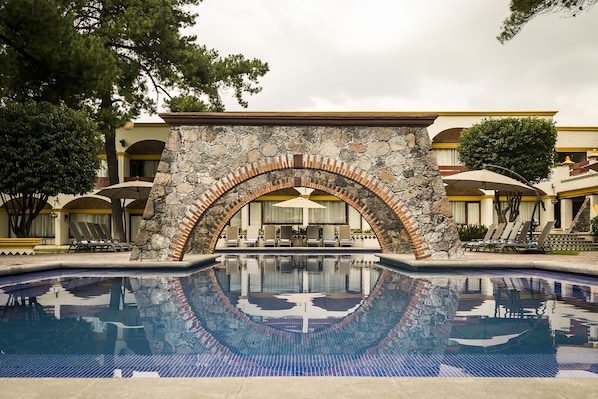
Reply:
x=302 y=202
x=299 y=202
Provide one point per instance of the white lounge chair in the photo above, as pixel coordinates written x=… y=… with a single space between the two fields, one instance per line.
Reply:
x=253 y=236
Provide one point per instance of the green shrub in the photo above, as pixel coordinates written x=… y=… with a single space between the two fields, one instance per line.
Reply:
x=469 y=232
x=594 y=224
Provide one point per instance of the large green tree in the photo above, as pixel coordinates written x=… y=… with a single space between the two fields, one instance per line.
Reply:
x=522 y=145
x=115 y=58
x=45 y=150
x=522 y=11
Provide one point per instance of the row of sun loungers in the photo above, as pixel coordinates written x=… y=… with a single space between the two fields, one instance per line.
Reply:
x=285 y=238
x=511 y=236
x=94 y=237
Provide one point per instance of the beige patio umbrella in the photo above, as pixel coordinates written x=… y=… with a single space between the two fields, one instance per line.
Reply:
x=134 y=189
x=486 y=180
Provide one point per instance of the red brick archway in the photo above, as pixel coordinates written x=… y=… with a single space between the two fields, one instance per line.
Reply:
x=297 y=162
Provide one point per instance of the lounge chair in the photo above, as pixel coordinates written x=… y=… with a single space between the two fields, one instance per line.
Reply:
x=344 y=236
x=80 y=242
x=506 y=233
x=94 y=240
x=487 y=237
x=253 y=235
x=107 y=235
x=313 y=236
x=286 y=236
x=539 y=245
x=518 y=239
x=269 y=236
x=99 y=234
x=232 y=236
x=477 y=245
x=328 y=236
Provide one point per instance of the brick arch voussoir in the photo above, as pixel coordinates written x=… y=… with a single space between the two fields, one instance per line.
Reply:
x=316 y=162
x=356 y=203
x=420 y=245
x=247 y=198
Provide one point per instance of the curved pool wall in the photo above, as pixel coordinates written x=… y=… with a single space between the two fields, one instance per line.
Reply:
x=309 y=315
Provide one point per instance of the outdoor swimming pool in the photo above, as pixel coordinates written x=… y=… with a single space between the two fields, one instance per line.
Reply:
x=298 y=315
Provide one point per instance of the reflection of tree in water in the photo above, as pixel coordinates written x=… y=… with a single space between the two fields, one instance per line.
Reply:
x=25 y=327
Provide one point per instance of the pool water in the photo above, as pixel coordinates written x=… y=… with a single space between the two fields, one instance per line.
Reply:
x=298 y=315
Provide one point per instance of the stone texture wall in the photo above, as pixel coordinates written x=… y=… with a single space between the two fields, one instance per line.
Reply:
x=214 y=164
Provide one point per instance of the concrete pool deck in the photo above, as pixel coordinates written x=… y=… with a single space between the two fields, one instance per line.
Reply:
x=302 y=387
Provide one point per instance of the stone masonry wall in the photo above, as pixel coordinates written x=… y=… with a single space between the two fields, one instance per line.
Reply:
x=214 y=164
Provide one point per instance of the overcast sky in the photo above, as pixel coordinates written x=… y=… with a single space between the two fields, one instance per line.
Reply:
x=408 y=55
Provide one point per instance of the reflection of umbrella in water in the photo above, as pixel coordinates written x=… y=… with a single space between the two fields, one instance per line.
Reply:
x=490 y=332
x=487 y=342
x=87 y=287
x=486 y=180
x=135 y=189
x=128 y=317
x=29 y=290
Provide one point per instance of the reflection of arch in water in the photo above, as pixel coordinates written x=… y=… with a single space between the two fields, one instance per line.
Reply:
x=413 y=345
x=342 y=340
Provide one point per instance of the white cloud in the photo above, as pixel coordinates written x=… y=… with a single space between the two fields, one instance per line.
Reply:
x=426 y=55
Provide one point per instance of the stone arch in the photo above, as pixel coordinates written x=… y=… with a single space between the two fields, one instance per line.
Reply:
x=381 y=162
x=296 y=163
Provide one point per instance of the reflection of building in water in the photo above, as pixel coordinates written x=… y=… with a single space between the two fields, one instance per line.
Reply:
x=250 y=311
x=502 y=312
x=302 y=293
x=107 y=304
